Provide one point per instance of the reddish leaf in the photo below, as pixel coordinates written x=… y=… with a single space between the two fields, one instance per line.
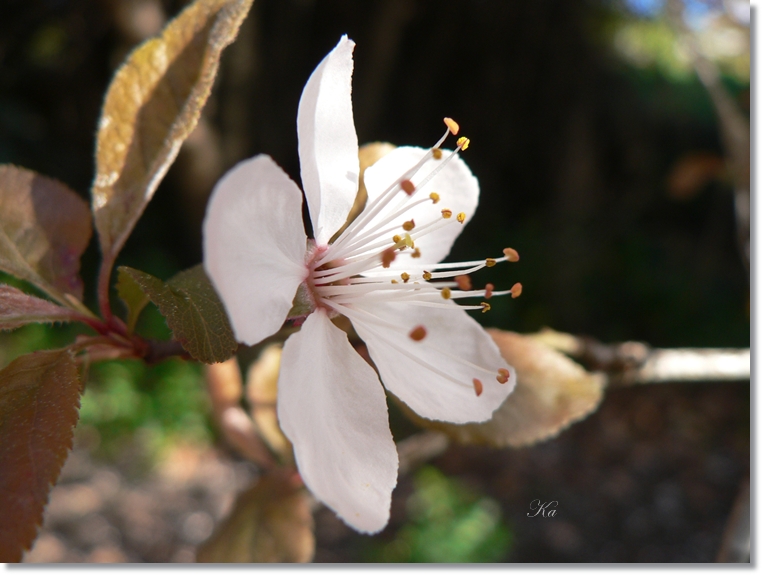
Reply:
x=39 y=407
x=18 y=308
x=44 y=228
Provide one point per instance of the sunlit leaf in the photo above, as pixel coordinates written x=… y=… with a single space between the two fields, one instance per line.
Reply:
x=39 y=403
x=551 y=393
x=18 y=308
x=135 y=300
x=44 y=228
x=270 y=523
x=151 y=107
x=193 y=311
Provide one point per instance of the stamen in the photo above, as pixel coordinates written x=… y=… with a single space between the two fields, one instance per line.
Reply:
x=408 y=225
x=511 y=255
x=395 y=281
x=452 y=125
x=485 y=307
x=388 y=256
x=418 y=333
x=405 y=277
x=478 y=387
x=408 y=187
x=463 y=143
x=396 y=238
x=516 y=290
x=490 y=262
x=416 y=253
x=461 y=217
x=488 y=291
x=464 y=282
x=446 y=214
x=436 y=153
x=503 y=375
x=426 y=275
x=433 y=195
x=446 y=293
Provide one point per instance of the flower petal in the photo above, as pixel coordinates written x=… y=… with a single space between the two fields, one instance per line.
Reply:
x=254 y=246
x=333 y=409
x=434 y=376
x=458 y=190
x=328 y=142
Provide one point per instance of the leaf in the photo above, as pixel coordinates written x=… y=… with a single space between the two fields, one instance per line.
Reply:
x=270 y=523
x=39 y=403
x=193 y=311
x=133 y=297
x=44 y=228
x=18 y=308
x=551 y=393
x=151 y=107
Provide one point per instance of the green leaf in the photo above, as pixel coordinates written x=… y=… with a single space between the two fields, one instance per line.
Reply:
x=44 y=228
x=133 y=297
x=270 y=523
x=193 y=311
x=18 y=308
x=39 y=403
x=151 y=107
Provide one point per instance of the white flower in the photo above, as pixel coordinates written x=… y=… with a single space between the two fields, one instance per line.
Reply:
x=429 y=352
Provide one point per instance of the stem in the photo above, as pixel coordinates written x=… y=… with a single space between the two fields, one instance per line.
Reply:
x=104 y=279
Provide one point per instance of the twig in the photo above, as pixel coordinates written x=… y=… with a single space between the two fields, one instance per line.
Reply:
x=419 y=448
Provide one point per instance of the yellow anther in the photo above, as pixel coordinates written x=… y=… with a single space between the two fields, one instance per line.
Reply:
x=434 y=197
x=405 y=277
x=395 y=282
x=478 y=387
x=427 y=275
x=416 y=253
x=446 y=214
x=489 y=262
x=408 y=187
x=503 y=375
x=511 y=255
x=417 y=333
x=446 y=293
x=463 y=143
x=461 y=217
x=485 y=307
x=436 y=153
x=396 y=238
x=452 y=125
x=408 y=225
x=516 y=290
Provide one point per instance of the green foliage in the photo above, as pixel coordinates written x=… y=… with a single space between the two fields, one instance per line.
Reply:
x=447 y=524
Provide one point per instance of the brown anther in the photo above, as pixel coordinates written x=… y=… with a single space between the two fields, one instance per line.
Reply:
x=516 y=290
x=405 y=277
x=426 y=275
x=408 y=225
x=463 y=143
x=452 y=125
x=436 y=153
x=396 y=238
x=446 y=293
x=511 y=255
x=490 y=262
x=388 y=256
x=408 y=187
x=464 y=282
x=478 y=387
x=488 y=291
x=416 y=253
x=434 y=197
x=503 y=375
x=461 y=217
x=418 y=333
x=485 y=307
x=446 y=214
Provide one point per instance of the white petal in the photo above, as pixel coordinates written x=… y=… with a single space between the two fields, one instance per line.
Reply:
x=328 y=142
x=254 y=246
x=421 y=373
x=458 y=190
x=333 y=409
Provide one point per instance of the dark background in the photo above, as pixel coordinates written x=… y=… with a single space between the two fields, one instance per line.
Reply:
x=576 y=149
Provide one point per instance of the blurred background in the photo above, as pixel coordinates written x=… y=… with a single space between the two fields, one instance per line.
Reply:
x=603 y=159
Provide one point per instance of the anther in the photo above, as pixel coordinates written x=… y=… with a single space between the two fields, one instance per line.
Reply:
x=488 y=291
x=446 y=214
x=434 y=197
x=408 y=187
x=446 y=293
x=417 y=333
x=408 y=225
x=485 y=307
x=516 y=290
x=463 y=143
x=452 y=125
x=426 y=275
x=395 y=282
x=388 y=256
x=464 y=282
x=478 y=387
x=461 y=217
x=490 y=262
x=511 y=255
x=436 y=153
x=396 y=238
x=405 y=277
x=503 y=375
x=416 y=253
